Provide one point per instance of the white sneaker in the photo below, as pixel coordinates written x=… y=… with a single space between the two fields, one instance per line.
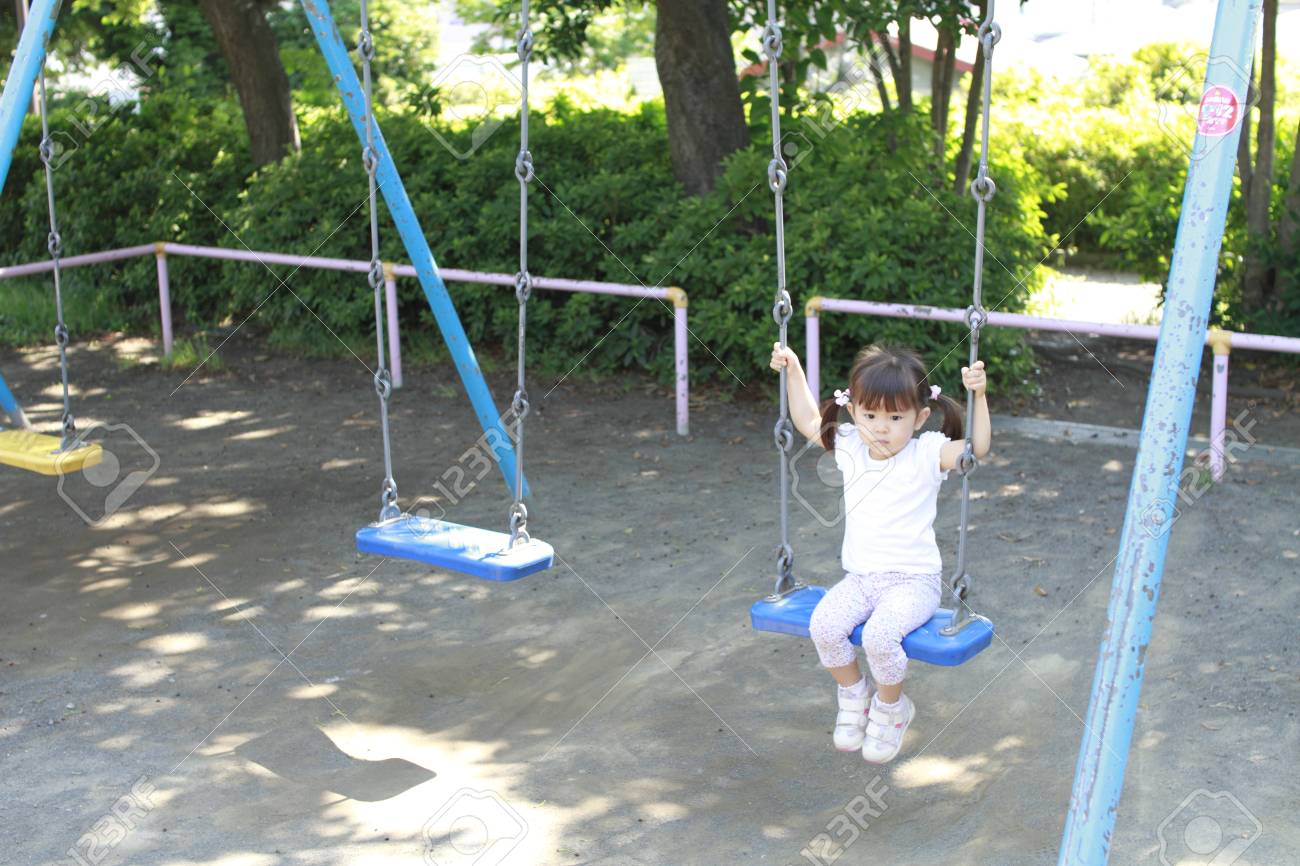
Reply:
x=851 y=720
x=885 y=730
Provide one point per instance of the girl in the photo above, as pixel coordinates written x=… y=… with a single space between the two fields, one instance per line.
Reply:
x=890 y=559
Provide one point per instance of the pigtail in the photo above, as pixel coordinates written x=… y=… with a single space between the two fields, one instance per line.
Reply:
x=830 y=410
x=953 y=413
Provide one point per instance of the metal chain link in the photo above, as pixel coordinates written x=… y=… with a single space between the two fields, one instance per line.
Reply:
x=388 y=507
x=782 y=307
x=983 y=189
x=524 y=173
x=54 y=243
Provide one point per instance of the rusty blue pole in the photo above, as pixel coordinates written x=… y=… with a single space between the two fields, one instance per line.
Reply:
x=1117 y=684
x=414 y=239
x=22 y=78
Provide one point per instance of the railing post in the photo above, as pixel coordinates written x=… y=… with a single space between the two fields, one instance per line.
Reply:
x=394 y=338
x=813 y=348
x=164 y=296
x=1221 y=344
x=680 y=302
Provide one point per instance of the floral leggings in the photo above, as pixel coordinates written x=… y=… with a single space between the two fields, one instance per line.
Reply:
x=891 y=604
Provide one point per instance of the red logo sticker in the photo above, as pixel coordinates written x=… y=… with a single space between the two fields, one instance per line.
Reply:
x=1220 y=111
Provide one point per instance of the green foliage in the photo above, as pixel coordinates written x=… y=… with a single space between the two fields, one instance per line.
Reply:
x=1115 y=148
x=189 y=353
x=606 y=206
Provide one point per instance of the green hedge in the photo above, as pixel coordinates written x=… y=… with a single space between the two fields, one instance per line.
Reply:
x=859 y=224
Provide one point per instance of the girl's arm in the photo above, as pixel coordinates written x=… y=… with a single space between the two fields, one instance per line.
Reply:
x=804 y=413
x=981 y=431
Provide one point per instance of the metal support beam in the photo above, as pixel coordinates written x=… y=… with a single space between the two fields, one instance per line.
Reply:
x=11 y=407
x=1117 y=684
x=32 y=46
x=413 y=237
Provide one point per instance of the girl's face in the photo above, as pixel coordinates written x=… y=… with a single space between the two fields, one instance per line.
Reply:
x=885 y=432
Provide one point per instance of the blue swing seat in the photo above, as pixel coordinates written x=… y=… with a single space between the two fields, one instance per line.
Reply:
x=791 y=615
x=467 y=549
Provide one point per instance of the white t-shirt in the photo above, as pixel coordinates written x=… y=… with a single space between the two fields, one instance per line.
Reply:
x=889 y=505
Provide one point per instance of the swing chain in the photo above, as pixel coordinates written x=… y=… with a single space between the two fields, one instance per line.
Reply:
x=982 y=189
x=54 y=243
x=524 y=173
x=783 y=435
x=388 y=509
x=778 y=176
x=783 y=309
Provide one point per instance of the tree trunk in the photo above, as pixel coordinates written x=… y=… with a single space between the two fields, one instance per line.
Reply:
x=904 y=83
x=945 y=63
x=697 y=70
x=974 y=102
x=253 y=57
x=873 y=63
x=1257 y=289
x=1288 y=227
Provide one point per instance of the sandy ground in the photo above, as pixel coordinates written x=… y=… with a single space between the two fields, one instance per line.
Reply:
x=617 y=709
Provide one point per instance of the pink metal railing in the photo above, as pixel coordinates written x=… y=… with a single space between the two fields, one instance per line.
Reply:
x=162 y=250
x=1220 y=342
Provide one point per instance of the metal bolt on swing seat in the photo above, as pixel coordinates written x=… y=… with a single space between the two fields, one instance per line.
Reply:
x=519 y=524
x=961 y=616
x=785 y=580
x=69 y=426
x=388 y=509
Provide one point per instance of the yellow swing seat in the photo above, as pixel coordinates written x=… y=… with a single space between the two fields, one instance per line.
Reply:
x=39 y=452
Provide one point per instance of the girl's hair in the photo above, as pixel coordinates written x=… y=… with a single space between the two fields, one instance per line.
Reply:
x=893 y=380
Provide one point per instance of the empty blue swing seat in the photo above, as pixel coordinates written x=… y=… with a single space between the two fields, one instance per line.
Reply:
x=467 y=549
x=791 y=615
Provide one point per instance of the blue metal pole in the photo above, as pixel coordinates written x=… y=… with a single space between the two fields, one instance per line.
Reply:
x=11 y=407
x=1103 y=753
x=417 y=248
x=22 y=78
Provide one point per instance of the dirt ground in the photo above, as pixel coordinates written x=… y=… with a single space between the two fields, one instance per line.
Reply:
x=617 y=709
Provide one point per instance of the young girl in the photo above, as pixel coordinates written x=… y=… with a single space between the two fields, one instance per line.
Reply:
x=891 y=487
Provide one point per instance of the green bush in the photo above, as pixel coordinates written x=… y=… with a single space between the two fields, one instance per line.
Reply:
x=605 y=207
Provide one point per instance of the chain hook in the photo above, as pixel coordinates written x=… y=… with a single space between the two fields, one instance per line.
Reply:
x=783 y=309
